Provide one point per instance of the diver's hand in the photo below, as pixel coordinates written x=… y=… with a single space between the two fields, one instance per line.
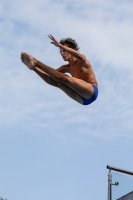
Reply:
x=54 y=41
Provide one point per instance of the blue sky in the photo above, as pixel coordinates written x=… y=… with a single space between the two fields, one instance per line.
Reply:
x=50 y=146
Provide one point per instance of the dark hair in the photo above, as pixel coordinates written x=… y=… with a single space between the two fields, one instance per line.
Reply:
x=70 y=43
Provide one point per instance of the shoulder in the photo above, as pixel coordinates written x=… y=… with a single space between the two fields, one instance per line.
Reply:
x=82 y=57
x=84 y=61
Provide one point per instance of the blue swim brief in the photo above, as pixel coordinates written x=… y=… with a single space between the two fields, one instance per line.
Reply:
x=93 y=98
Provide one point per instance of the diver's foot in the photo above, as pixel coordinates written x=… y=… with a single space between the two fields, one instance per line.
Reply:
x=28 y=60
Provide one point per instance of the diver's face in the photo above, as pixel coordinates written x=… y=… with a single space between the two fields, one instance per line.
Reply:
x=65 y=55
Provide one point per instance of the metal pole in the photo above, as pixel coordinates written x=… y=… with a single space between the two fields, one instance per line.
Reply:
x=109 y=185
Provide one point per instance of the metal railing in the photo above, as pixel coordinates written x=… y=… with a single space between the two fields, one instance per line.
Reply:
x=110 y=179
x=119 y=170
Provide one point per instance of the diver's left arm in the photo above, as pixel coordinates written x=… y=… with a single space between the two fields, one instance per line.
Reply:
x=73 y=52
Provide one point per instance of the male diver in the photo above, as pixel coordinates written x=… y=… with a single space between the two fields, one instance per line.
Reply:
x=81 y=86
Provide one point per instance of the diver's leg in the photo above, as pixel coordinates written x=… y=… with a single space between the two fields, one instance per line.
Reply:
x=71 y=93
x=81 y=87
x=46 y=77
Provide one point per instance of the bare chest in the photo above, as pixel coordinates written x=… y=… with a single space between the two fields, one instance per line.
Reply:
x=78 y=71
x=85 y=73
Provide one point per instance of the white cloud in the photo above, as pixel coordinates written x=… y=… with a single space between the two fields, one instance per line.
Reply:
x=104 y=32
